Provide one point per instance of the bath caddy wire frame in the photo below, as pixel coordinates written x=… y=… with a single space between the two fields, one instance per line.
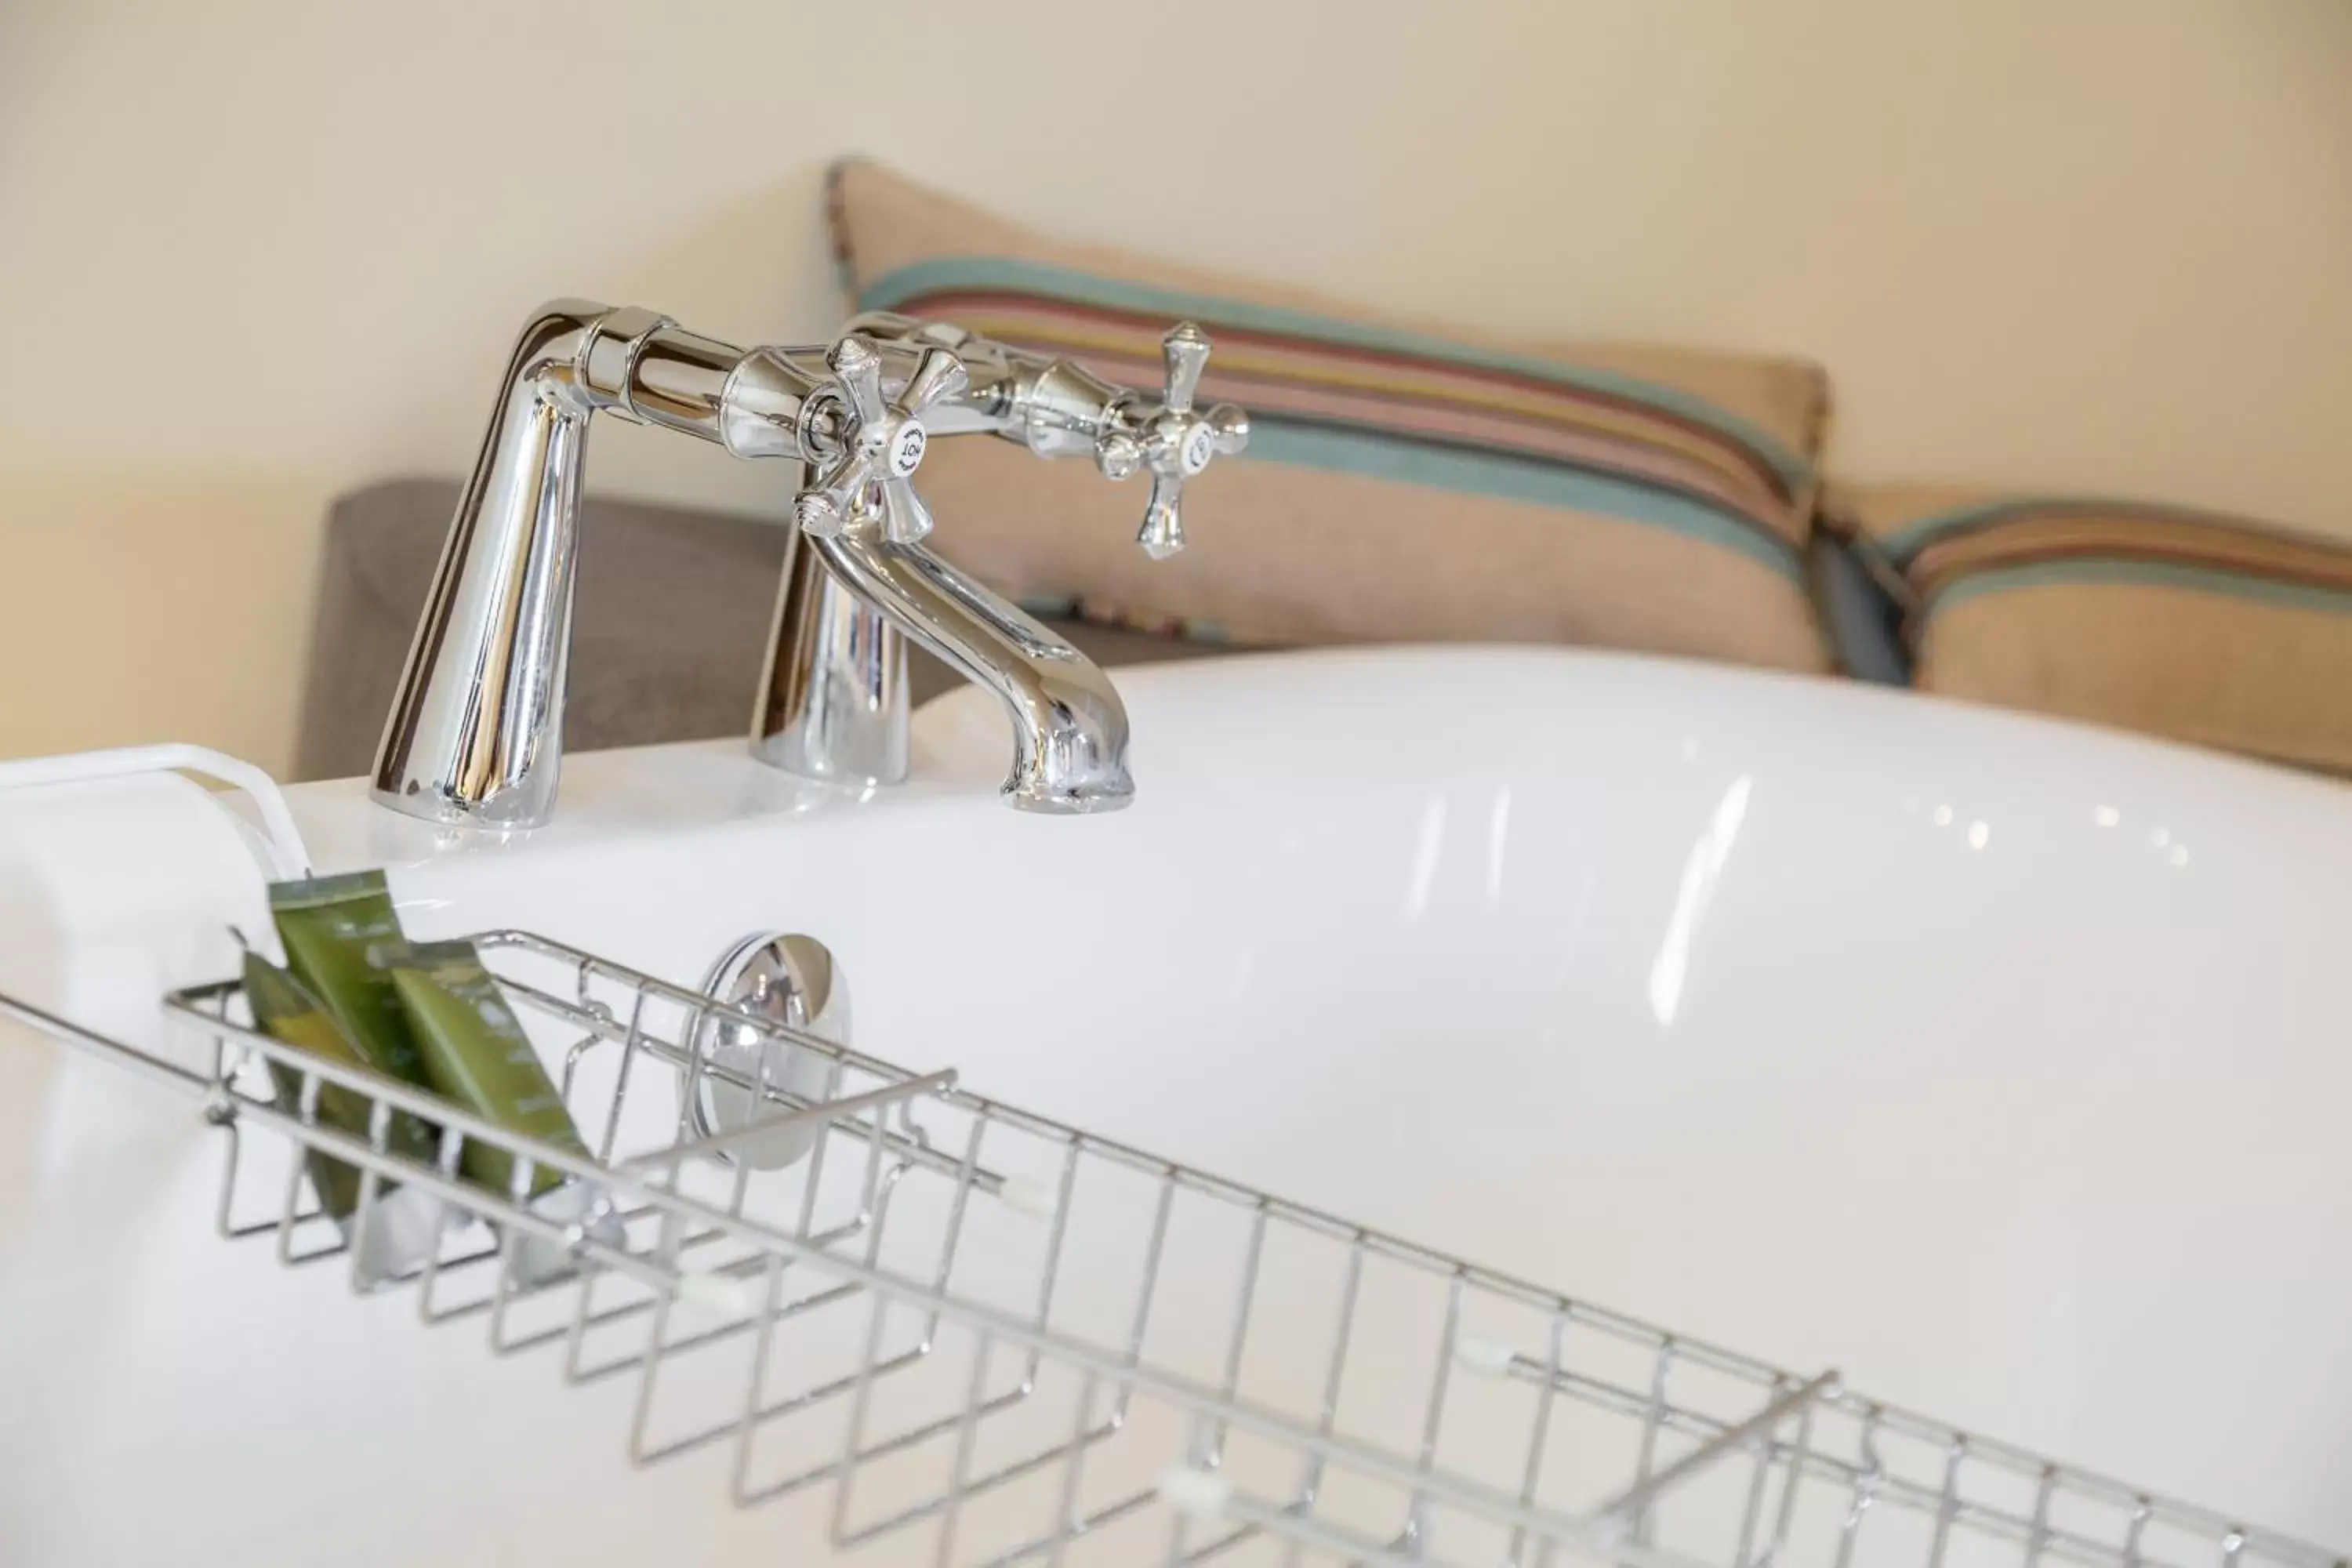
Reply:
x=995 y=1339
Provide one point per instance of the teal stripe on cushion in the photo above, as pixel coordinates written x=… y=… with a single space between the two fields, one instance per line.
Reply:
x=1509 y=478
x=1919 y=533
x=950 y=273
x=2144 y=574
x=1905 y=542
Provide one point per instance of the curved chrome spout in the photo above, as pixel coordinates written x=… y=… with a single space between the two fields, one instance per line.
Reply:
x=1069 y=728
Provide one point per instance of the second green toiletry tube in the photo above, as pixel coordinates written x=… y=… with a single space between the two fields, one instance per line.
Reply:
x=476 y=1056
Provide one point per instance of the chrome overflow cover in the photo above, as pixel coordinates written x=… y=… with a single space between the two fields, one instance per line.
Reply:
x=791 y=981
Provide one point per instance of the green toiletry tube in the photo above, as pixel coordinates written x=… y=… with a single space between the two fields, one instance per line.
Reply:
x=328 y=924
x=403 y=1224
x=476 y=1056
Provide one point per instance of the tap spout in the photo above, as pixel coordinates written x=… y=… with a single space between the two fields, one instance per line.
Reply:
x=1069 y=726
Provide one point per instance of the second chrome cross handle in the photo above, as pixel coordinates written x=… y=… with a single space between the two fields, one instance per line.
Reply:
x=869 y=444
x=1169 y=439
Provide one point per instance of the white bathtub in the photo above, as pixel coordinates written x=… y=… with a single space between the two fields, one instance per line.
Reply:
x=1999 y=1064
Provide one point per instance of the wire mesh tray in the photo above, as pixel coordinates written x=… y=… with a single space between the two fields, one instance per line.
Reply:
x=997 y=1339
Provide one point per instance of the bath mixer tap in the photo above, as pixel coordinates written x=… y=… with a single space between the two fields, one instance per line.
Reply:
x=475 y=734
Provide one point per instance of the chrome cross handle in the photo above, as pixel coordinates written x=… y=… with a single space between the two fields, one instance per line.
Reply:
x=1170 y=440
x=871 y=447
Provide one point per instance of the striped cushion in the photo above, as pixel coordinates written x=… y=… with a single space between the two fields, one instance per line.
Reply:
x=1634 y=497
x=2184 y=623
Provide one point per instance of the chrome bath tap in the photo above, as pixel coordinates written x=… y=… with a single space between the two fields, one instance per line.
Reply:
x=475 y=734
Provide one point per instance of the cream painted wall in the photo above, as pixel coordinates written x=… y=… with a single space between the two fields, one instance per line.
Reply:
x=254 y=253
